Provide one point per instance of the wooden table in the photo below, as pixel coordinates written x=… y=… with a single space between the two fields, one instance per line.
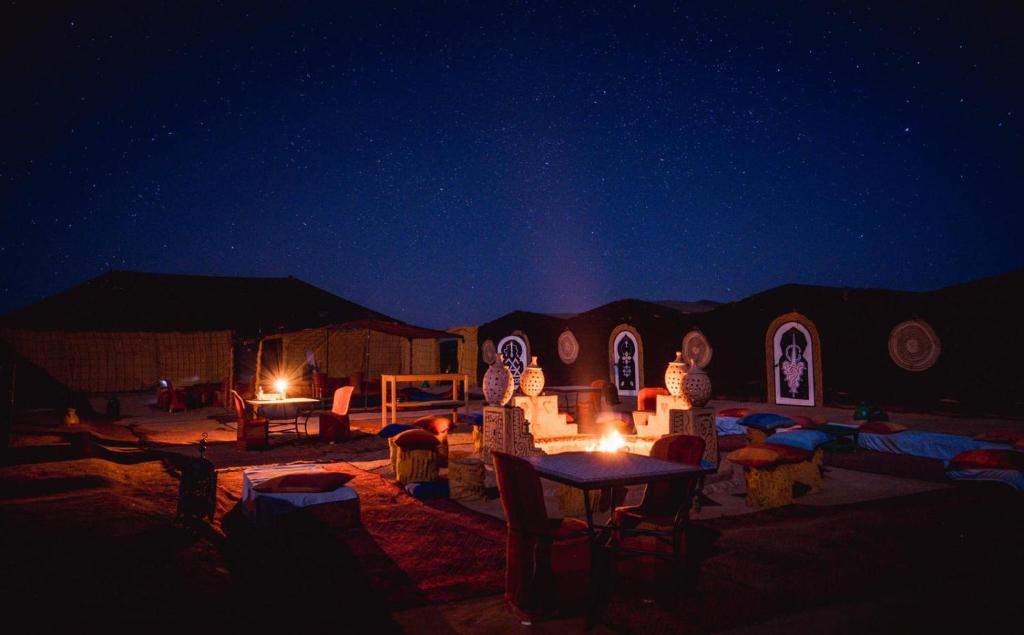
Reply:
x=287 y=401
x=602 y=470
x=389 y=392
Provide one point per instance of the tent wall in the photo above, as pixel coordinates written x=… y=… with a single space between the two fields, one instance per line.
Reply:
x=342 y=353
x=124 y=361
x=469 y=351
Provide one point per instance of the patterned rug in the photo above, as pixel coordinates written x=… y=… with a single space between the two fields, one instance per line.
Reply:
x=409 y=552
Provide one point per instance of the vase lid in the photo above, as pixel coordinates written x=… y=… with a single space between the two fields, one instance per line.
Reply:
x=533 y=362
x=678 y=359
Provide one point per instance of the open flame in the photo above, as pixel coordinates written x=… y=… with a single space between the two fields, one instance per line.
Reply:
x=611 y=441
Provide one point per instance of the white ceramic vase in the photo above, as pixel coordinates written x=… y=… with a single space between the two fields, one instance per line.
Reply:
x=531 y=382
x=498 y=384
x=675 y=375
x=697 y=385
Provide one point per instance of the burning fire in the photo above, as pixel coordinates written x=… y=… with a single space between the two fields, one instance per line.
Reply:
x=611 y=441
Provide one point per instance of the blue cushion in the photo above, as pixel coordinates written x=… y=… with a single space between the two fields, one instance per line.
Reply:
x=803 y=439
x=389 y=431
x=430 y=489
x=766 y=421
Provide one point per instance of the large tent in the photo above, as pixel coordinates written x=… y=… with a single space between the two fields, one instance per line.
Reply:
x=125 y=331
x=973 y=367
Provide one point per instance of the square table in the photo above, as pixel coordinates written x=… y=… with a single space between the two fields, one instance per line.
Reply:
x=286 y=401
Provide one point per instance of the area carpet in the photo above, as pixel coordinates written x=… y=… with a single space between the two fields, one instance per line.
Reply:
x=409 y=552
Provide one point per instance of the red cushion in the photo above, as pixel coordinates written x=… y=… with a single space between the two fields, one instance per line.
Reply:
x=988 y=459
x=1002 y=436
x=806 y=422
x=417 y=440
x=734 y=412
x=881 y=427
x=1018 y=444
x=567 y=528
x=789 y=453
x=434 y=424
x=304 y=482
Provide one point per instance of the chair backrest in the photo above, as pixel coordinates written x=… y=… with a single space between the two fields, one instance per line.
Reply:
x=342 y=399
x=663 y=497
x=522 y=496
x=435 y=424
x=647 y=398
x=239 y=403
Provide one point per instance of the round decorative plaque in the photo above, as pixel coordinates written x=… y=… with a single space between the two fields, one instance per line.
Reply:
x=488 y=351
x=568 y=347
x=914 y=346
x=696 y=348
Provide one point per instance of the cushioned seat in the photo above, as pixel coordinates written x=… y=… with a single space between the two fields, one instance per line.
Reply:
x=548 y=559
x=415 y=456
x=438 y=426
x=771 y=470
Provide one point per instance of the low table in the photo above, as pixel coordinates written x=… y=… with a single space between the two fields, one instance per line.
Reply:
x=844 y=437
x=264 y=507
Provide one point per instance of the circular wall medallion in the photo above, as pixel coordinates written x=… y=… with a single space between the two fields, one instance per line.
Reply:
x=913 y=345
x=568 y=347
x=488 y=350
x=696 y=348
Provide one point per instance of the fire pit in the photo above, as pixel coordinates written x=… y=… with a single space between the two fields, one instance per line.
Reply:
x=611 y=441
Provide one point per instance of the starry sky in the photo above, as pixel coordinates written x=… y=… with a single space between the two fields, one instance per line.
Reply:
x=447 y=162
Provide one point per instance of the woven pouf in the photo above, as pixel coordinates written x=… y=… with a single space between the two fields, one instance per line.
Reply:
x=808 y=472
x=769 y=486
x=570 y=499
x=466 y=478
x=415 y=456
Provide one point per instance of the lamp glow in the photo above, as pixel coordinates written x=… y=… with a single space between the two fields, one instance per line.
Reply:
x=281 y=386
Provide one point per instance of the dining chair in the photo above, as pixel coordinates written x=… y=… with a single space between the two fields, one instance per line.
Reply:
x=546 y=558
x=664 y=512
x=334 y=425
x=246 y=425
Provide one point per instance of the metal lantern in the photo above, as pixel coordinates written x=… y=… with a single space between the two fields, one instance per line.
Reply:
x=197 y=493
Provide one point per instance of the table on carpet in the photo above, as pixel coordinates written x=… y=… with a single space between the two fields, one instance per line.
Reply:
x=389 y=393
x=603 y=470
x=258 y=404
x=263 y=507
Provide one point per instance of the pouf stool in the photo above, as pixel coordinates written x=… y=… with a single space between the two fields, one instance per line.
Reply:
x=415 y=456
x=571 y=501
x=272 y=492
x=466 y=478
x=389 y=432
x=772 y=470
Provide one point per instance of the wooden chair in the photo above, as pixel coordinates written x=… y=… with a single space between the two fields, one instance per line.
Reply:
x=664 y=512
x=547 y=558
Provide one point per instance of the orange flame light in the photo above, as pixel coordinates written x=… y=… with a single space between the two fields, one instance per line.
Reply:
x=611 y=441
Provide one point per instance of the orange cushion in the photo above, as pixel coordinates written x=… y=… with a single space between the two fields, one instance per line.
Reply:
x=790 y=453
x=734 y=412
x=757 y=455
x=1002 y=436
x=881 y=427
x=435 y=424
x=417 y=440
x=304 y=482
x=988 y=459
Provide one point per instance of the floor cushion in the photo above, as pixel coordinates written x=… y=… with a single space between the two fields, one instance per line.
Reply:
x=804 y=439
x=767 y=421
x=988 y=459
x=881 y=427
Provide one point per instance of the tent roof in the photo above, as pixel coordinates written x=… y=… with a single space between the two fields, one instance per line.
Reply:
x=394 y=328
x=136 y=301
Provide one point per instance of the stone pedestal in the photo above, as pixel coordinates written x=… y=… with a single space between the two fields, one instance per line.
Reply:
x=698 y=422
x=506 y=430
x=657 y=422
x=541 y=413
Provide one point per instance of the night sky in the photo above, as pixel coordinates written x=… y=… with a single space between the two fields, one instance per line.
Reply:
x=446 y=163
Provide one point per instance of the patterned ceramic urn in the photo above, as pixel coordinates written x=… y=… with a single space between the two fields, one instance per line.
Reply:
x=697 y=385
x=675 y=374
x=531 y=382
x=498 y=384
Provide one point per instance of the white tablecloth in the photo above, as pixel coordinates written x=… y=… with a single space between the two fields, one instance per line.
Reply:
x=256 y=475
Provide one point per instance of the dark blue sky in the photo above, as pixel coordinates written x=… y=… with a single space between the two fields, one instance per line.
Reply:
x=447 y=163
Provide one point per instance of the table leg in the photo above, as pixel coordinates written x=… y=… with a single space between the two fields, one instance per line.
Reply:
x=383 y=402
x=595 y=596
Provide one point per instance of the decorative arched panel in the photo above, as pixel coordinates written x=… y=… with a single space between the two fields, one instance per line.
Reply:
x=515 y=349
x=626 y=360
x=793 y=360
